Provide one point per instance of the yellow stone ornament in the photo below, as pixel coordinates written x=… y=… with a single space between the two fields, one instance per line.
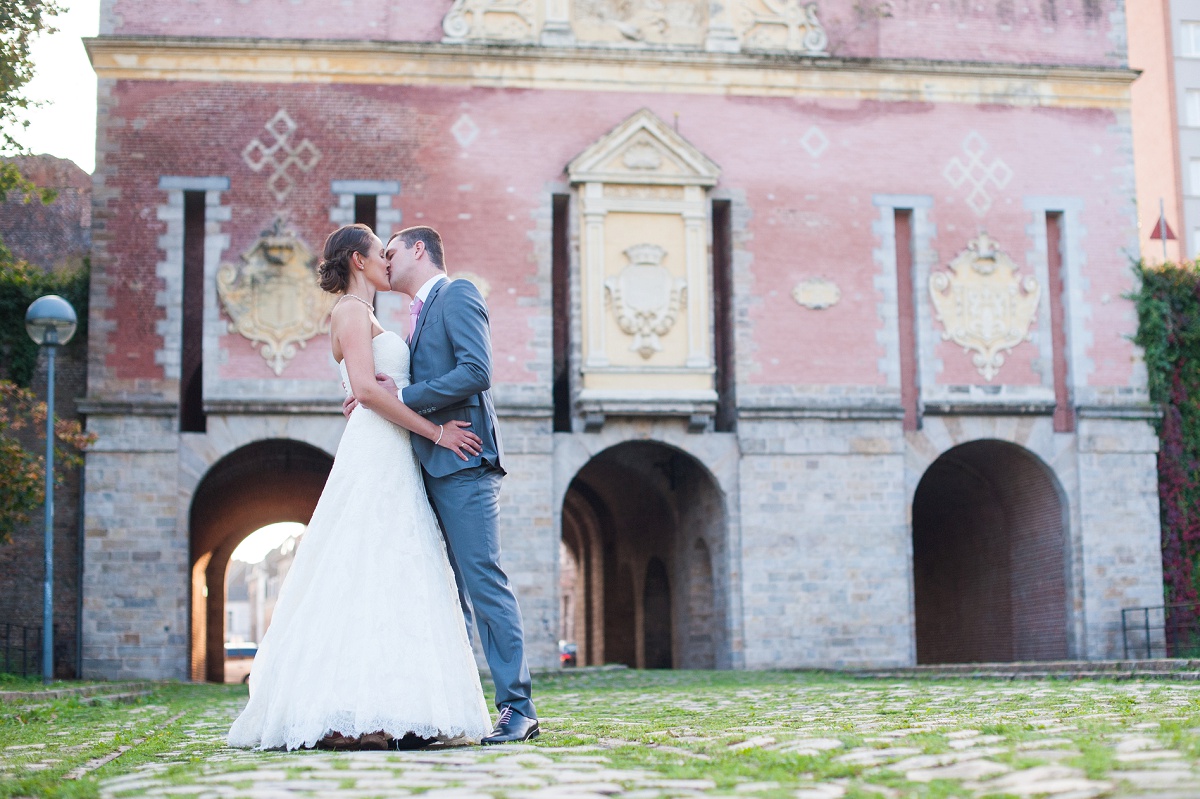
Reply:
x=272 y=297
x=984 y=306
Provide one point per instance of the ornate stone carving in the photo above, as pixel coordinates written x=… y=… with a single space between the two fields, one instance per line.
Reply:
x=645 y=298
x=817 y=293
x=272 y=296
x=491 y=20
x=281 y=155
x=677 y=22
x=983 y=305
x=788 y=25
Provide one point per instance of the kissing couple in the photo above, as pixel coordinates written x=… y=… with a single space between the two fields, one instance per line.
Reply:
x=367 y=648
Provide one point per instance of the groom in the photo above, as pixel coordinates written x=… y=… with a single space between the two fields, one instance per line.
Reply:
x=451 y=362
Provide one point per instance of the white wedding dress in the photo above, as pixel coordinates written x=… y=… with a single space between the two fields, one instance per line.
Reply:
x=367 y=633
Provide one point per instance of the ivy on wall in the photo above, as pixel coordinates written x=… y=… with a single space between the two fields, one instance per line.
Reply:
x=1168 y=308
x=20 y=284
x=22 y=487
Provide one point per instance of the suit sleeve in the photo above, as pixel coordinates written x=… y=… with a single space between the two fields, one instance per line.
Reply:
x=465 y=319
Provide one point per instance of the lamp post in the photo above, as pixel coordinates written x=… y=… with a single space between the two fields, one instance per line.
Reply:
x=50 y=322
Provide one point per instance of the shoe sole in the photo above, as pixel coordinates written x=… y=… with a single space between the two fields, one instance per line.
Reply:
x=528 y=737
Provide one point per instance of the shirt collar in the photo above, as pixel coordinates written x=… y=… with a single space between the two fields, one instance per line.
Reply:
x=423 y=294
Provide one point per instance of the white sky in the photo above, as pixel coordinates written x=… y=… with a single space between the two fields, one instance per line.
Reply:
x=66 y=125
x=256 y=545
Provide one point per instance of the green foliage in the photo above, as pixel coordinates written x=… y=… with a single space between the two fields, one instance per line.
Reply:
x=1168 y=307
x=23 y=488
x=21 y=21
x=20 y=285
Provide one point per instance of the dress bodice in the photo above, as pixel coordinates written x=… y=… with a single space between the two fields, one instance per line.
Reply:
x=391 y=358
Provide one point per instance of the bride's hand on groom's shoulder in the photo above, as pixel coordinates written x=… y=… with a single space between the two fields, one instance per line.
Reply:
x=459 y=440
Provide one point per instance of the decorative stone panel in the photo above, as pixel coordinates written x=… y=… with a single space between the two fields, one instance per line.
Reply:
x=646 y=305
x=786 y=26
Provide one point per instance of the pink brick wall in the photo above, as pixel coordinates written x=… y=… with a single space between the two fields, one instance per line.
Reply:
x=1007 y=31
x=810 y=213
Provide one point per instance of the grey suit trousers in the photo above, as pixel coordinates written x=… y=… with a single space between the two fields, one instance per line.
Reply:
x=467 y=504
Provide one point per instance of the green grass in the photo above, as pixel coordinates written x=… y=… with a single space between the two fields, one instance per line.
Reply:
x=675 y=725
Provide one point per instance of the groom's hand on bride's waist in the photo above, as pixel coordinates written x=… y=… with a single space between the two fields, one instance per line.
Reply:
x=388 y=383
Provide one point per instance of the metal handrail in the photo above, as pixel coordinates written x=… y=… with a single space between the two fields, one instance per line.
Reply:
x=1179 y=623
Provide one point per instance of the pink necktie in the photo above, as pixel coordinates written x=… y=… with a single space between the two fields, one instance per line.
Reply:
x=414 y=313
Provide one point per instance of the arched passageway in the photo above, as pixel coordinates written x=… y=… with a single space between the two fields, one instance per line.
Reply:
x=644 y=531
x=259 y=484
x=989 y=557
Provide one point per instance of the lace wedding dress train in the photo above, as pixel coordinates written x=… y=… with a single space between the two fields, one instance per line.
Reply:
x=367 y=633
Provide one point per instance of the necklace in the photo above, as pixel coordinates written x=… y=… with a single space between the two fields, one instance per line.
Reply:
x=360 y=299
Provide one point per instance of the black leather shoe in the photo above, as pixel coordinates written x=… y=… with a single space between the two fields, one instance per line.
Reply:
x=511 y=727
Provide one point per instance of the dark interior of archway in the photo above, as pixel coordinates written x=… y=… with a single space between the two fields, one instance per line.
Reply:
x=259 y=484
x=632 y=518
x=656 y=609
x=989 y=558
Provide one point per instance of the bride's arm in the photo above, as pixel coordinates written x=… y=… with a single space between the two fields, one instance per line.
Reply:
x=351 y=329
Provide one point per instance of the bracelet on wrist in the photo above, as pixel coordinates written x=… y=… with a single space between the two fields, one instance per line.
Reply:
x=441 y=430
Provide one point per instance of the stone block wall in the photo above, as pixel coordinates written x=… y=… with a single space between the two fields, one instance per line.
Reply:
x=825 y=553
x=136 y=610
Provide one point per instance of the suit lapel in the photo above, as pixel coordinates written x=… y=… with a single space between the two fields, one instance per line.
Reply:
x=433 y=293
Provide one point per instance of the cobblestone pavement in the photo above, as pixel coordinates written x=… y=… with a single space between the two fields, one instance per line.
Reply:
x=647 y=735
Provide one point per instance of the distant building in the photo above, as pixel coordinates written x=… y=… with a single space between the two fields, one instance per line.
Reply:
x=238 y=629
x=57 y=235
x=1164 y=43
x=810 y=325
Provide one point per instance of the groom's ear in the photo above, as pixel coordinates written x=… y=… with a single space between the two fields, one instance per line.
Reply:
x=418 y=249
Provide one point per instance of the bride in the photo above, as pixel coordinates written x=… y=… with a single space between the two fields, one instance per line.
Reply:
x=367 y=647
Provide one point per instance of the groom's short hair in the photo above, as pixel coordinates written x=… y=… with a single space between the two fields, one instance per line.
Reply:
x=431 y=239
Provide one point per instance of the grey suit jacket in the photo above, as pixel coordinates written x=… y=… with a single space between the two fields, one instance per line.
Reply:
x=451 y=363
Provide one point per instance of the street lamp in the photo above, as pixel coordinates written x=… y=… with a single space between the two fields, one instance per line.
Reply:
x=50 y=322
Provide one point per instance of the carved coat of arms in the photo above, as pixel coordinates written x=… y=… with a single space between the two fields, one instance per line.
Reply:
x=983 y=305
x=645 y=298
x=272 y=296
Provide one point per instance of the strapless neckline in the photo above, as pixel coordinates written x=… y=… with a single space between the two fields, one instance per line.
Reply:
x=373 y=340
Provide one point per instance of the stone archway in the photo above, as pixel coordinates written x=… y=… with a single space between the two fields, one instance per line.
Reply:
x=646 y=527
x=989 y=557
x=251 y=487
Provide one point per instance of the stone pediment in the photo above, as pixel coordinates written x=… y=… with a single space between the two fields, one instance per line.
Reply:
x=643 y=150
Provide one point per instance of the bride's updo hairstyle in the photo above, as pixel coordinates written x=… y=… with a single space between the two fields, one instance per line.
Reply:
x=333 y=274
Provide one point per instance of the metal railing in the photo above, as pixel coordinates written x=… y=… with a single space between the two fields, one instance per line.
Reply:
x=20 y=650
x=1161 y=631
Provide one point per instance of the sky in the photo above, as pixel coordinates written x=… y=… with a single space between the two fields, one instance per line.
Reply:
x=66 y=125
x=256 y=545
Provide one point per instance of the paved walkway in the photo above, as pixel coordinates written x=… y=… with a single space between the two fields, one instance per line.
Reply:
x=674 y=735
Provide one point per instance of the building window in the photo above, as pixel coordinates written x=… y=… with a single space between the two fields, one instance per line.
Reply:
x=1192 y=108
x=1194 y=177
x=1189 y=39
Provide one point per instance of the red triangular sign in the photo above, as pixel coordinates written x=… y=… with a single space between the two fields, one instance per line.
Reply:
x=1162 y=231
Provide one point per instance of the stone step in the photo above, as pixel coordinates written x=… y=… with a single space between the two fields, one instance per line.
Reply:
x=94 y=692
x=1162 y=669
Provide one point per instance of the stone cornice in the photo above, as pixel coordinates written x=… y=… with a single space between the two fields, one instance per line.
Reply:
x=606 y=69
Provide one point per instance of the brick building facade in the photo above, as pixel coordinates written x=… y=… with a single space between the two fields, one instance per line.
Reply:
x=809 y=325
